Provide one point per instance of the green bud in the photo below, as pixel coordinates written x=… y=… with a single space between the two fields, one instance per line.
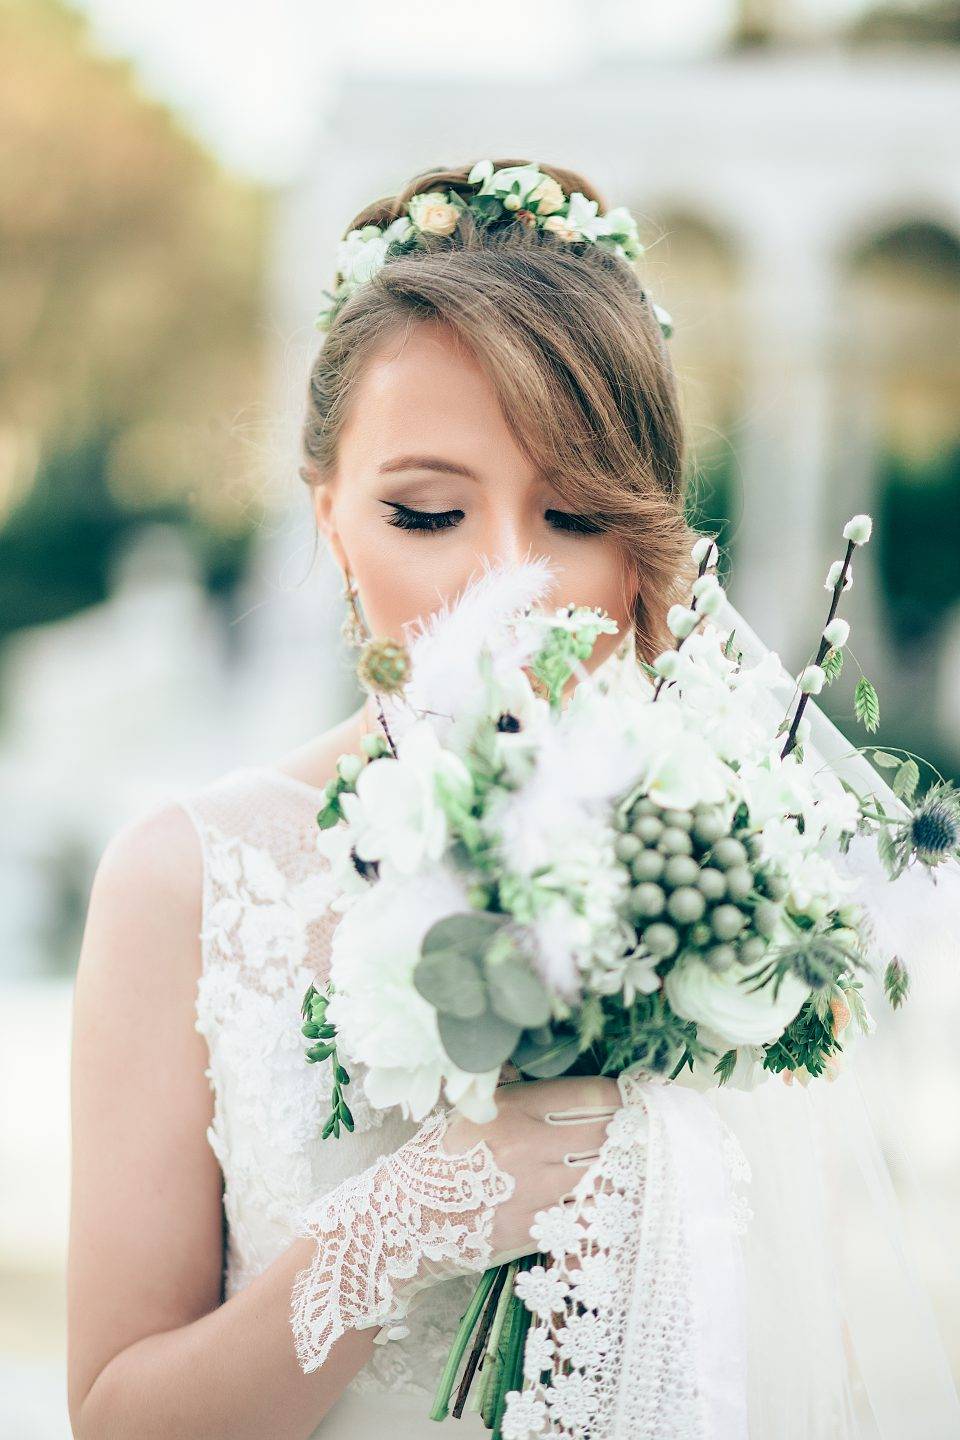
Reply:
x=349 y=767
x=712 y=882
x=320 y=1052
x=739 y=882
x=686 y=905
x=648 y=829
x=751 y=949
x=773 y=884
x=648 y=865
x=675 y=842
x=627 y=846
x=708 y=826
x=679 y=819
x=311 y=1030
x=680 y=870
x=727 y=853
x=720 y=957
x=766 y=917
x=647 y=900
x=661 y=939
x=701 y=935
x=727 y=922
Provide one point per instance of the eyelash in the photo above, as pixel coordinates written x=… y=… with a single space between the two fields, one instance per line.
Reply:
x=404 y=518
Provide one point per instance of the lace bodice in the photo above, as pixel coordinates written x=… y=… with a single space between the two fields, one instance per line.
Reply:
x=265 y=934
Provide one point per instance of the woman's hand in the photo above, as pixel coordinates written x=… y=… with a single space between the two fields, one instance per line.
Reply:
x=541 y=1139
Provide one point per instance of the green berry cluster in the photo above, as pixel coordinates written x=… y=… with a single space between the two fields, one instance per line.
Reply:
x=317 y=1028
x=697 y=884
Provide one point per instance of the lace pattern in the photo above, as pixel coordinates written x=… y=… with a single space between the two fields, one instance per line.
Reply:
x=609 y=1353
x=417 y=1216
x=265 y=934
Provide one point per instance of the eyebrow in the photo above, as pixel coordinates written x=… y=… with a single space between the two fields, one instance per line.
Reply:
x=427 y=462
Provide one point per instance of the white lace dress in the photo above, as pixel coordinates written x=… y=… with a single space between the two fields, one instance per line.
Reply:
x=265 y=936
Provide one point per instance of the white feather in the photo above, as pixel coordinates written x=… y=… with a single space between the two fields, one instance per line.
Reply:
x=445 y=646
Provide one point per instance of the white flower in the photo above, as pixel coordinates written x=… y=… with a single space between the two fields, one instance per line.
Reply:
x=395 y=813
x=572 y=1399
x=480 y=172
x=837 y=633
x=609 y=1218
x=723 y=1002
x=595 y=1282
x=349 y=766
x=581 y=1340
x=812 y=680
x=859 y=529
x=833 y=577
x=548 y=194
x=556 y=1230
x=542 y=1291
x=681 y=621
x=523 y=1417
x=537 y=1352
x=432 y=212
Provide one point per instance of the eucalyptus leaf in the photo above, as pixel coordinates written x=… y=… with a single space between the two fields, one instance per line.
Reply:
x=516 y=992
x=480 y=1044
x=452 y=983
x=544 y=1061
x=467 y=932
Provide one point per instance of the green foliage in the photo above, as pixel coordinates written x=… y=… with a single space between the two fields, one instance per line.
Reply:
x=807 y=1041
x=832 y=664
x=896 y=982
x=317 y=1028
x=866 y=704
x=725 y=1066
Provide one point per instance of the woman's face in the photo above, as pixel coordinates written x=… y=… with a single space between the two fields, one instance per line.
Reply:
x=429 y=480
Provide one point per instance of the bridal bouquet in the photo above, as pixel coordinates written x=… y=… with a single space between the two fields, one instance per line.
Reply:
x=645 y=877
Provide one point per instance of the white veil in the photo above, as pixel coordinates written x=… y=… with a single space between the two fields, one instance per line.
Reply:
x=844 y=1341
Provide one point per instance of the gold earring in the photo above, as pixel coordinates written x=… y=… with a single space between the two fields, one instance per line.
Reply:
x=354 y=628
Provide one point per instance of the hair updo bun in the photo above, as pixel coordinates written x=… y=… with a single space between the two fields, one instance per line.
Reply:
x=575 y=354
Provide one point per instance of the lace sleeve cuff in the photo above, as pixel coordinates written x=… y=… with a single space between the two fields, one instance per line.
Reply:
x=415 y=1217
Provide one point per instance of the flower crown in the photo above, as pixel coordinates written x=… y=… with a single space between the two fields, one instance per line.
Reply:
x=523 y=191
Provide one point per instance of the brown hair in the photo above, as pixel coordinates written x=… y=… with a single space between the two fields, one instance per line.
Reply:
x=575 y=354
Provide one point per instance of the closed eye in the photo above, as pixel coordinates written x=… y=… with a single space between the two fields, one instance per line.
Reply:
x=580 y=524
x=406 y=519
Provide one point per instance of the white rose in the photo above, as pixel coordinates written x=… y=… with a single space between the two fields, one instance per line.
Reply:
x=724 y=1004
x=548 y=194
x=559 y=225
x=432 y=212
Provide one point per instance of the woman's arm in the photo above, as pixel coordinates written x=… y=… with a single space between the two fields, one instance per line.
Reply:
x=152 y=1354
x=151 y=1351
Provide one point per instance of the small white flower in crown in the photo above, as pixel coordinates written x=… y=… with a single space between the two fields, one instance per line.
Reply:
x=523 y=191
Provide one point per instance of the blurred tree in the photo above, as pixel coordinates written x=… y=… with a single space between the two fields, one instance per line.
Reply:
x=917 y=22
x=919 y=534
x=131 y=286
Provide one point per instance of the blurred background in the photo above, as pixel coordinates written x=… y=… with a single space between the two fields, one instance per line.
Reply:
x=173 y=180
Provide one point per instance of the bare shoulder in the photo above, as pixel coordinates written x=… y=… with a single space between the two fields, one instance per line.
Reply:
x=316 y=762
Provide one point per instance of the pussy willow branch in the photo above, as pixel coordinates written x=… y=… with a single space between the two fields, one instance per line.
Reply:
x=822 y=648
x=662 y=679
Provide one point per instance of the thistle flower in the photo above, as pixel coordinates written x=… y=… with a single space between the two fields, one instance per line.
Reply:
x=383 y=667
x=932 y=834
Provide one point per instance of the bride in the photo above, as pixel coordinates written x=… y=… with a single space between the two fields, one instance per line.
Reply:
x=485 y=391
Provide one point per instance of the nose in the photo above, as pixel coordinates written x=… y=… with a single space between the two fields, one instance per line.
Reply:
x=508 y=539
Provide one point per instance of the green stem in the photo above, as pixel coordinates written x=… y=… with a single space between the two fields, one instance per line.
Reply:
x=512 y=1367
x=441 y=1402
x=492 y=1359
x=480 y=1342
